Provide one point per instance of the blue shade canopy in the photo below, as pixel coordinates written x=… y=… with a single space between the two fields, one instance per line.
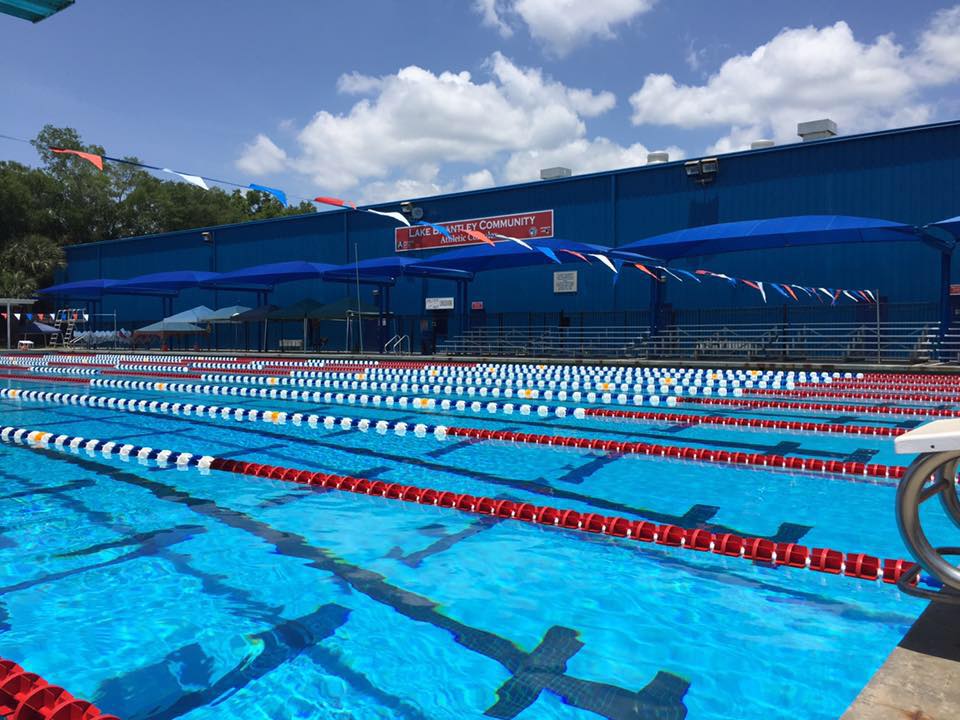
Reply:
x=506 y=254
x=33 y=10
x=84 y=289
x=163 y=281
x=271 y=274
x=794 y=231
x=387 y=269
x=950 y=225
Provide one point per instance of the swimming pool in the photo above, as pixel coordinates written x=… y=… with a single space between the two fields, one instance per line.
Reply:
x=160 y=591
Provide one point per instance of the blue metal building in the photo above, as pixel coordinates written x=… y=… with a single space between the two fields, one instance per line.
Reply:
x=908 y=175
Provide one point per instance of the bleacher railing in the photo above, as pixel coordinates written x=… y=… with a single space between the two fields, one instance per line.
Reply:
x=838 y=342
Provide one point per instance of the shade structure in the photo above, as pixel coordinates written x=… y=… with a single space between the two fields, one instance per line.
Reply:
x=950 y=225
x=171 y=282
x=300 y=310
x=38 y=328
x=256 y=314
x=271 y=274
x=33 y=10
x=507 y=254
x=792 y=231
x=338 y=309
x=226 y=314
x=200 y=313
x=82 y=289
x=386 y=270
x=165 y=327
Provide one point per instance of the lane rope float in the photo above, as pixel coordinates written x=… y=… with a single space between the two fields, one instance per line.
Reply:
x=822 y=560
x=400 y=428
x=27 y=696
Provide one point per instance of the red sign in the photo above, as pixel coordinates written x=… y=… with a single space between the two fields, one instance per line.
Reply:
x=955 y=289
x=476 y=305
x=523 y=226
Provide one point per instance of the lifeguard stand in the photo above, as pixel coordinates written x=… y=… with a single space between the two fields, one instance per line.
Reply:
x=67 y=322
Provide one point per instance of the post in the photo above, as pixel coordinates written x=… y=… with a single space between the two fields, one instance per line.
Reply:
x=877 y=303
x=8 y=326
x=356 y=257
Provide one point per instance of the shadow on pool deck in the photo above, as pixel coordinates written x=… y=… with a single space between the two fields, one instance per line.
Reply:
x=920 y=680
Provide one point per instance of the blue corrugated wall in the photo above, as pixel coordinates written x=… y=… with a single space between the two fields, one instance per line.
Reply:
x=910 y=175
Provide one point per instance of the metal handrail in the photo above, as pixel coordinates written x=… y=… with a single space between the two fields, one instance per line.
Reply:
x=939 y=469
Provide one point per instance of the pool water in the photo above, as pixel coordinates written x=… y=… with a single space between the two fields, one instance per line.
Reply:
x=158 y=592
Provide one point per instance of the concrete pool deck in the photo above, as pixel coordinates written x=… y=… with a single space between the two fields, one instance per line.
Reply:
x=920 y=679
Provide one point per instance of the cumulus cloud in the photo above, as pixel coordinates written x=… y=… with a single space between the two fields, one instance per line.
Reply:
x=416 y=118
x=478 y=180
x=561 y=25
x=262 y=156
x=807 y=73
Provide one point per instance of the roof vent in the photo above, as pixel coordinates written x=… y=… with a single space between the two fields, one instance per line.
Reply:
x=658 y=156
x=555 y=173
x=760 y=144
x=817 y=129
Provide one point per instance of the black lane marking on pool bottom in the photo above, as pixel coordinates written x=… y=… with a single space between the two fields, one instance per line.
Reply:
x=52 y=490
x=211 y=584
x=444 y=542
x=786 y=532
x=662 y=698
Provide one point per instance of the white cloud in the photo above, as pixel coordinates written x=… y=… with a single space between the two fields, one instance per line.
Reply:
x=808 y=73
x=491 y=16
x=581 y=156
x=478 y=180
x=417 y=118
x=262 y=156
x=355 y=83
x=561 y=25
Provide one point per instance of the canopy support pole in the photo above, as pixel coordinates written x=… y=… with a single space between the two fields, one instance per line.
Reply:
x=8 y=326
x=945 y=265
x=381 y=318
x=656 y=299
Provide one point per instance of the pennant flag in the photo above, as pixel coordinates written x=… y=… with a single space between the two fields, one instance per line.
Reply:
x=806 y=290
x=476 y=234
x=335 y=201
x=618 y=264
x=825 y=292
x=3 y=315
x=17 y=315
x=690 y=275
x=836 y=296
x=852 y=297
x=86 y=317
x=763 y=293
x=667 y=271
x=792 y=293
x=40 y=316
x=751 y=283
x=29 y=316
x=871 y=295
x=518 y=241
x=576 y=254
x=779 y=289
x=439 y=228
x=862 y=294
x=605 y=260
x=395 y=215
x=95 y=160
x=278 y=194
x=192 y=179
x=656 y=277
x=703 y=272
x=545 y=250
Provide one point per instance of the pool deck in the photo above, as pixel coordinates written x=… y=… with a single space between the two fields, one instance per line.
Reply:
x=920 y=679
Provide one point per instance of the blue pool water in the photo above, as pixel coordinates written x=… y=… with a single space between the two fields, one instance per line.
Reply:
x=164 y=593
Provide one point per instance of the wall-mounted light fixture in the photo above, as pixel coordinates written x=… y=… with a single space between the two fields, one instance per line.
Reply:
x=702 y=171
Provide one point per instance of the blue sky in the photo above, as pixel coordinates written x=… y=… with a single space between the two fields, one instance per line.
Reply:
x=381 y=100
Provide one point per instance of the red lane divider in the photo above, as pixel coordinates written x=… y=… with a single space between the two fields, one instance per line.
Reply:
x=686 y=453
x=824 y=560
x=746 y=403
x=45 y=378
x=746 y=422
x=856 y=395
x=881 y=386
x=27 y=696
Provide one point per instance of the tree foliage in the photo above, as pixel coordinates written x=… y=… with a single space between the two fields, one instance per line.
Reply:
x=68 y=201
